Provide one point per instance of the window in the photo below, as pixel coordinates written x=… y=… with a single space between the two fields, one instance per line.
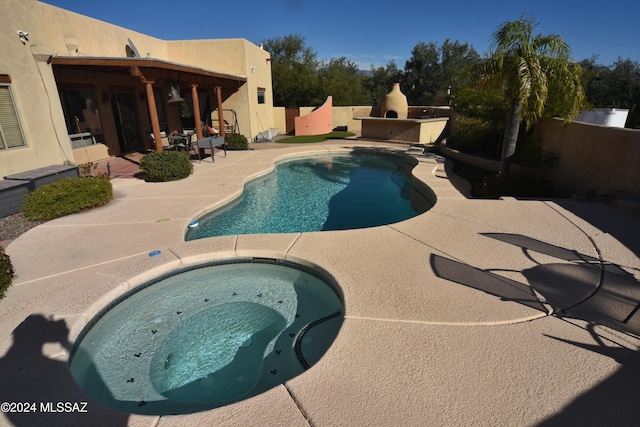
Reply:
x=261 y=92
x=10 y=130
x=80 y=110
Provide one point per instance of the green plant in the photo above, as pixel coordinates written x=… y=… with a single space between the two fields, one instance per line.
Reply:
x=162 y=166
x=235 y=141
x=6 y=272
x=67 y=196
x=86 y=169
x=473 y=136
x=518 y=183
x=530 y=153
x=536 y=73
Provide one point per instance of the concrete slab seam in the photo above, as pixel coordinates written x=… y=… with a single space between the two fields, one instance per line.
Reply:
x=286 y=251
x=415 y=239
x=62 y=273
x=298 y=404
x=459 y=324
x=434 y=210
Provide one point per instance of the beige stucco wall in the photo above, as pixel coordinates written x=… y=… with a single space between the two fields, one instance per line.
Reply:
x=34 y=91
x=592 y=157
x=94 y=37
x=91 y=153
x=344 y=116
x=239 y=57
x=423 y=131
x=280 y=120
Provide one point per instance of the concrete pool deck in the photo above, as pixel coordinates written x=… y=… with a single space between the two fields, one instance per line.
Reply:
x=477 y=312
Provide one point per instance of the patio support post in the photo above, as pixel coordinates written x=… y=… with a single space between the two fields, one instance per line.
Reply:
x=153 y=113
x=220 y=113
x=196 y=110
x=151 y=104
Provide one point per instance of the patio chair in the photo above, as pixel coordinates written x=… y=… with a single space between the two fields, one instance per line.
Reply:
x=210 y=142
x=164 y=138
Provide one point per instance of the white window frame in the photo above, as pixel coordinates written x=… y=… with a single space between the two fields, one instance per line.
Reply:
x=9 y=115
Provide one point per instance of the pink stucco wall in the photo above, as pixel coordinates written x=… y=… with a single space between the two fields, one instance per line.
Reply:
x=317 y=122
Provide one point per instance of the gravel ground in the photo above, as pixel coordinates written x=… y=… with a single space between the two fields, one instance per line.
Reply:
x=14 y=225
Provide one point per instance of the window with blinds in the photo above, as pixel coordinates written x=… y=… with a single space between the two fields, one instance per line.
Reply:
x=10 y=130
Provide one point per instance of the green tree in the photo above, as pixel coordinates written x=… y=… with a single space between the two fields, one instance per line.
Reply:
x=293 y=71
x=422 y=74
x=484 y=103
x=455 y=60
x=341 y=79
x=532 y=70
x=614 y=86
x=433 y=70
x=380 y=81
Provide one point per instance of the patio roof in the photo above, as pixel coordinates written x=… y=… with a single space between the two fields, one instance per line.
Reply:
x=152 y=69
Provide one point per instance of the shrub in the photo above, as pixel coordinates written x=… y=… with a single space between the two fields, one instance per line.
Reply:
x=475 y=136
x=162 y=166
x=87 y=169
x=66 y=196
x=235 y=141
x=6 y=272
x=529 y=153
x=518 y=183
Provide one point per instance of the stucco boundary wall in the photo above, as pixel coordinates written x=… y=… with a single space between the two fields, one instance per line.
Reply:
x=346 y=116
x=592 y=158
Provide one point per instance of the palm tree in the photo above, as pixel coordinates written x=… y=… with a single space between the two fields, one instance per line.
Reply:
x=537 y=76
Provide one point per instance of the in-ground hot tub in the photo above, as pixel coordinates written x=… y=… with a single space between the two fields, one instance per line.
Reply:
x=207 y=335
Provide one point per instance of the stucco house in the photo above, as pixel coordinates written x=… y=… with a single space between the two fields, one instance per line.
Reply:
x=68 y=80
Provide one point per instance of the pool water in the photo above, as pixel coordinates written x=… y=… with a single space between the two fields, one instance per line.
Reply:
x=325 y=192
x=207 y=336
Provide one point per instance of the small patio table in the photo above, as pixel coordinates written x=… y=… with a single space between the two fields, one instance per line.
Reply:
x=180 y=140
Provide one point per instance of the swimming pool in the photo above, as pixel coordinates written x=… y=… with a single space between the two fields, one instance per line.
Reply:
x=206 y=336
x=318 y=193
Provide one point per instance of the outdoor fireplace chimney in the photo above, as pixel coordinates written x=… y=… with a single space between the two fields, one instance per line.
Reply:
x=395 y=104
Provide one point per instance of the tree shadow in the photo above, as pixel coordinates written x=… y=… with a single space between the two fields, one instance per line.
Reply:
x=485 y=281
x=583 y=288
x=28 y=375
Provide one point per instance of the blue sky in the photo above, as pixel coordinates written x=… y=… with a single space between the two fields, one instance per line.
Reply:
x=355 y=29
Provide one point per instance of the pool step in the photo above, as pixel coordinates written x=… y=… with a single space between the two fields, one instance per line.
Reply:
x=416 y=149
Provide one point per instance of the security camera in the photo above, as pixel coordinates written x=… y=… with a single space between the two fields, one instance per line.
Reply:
x=23 y=36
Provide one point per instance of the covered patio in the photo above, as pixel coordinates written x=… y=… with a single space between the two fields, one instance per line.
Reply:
x=120 y=102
